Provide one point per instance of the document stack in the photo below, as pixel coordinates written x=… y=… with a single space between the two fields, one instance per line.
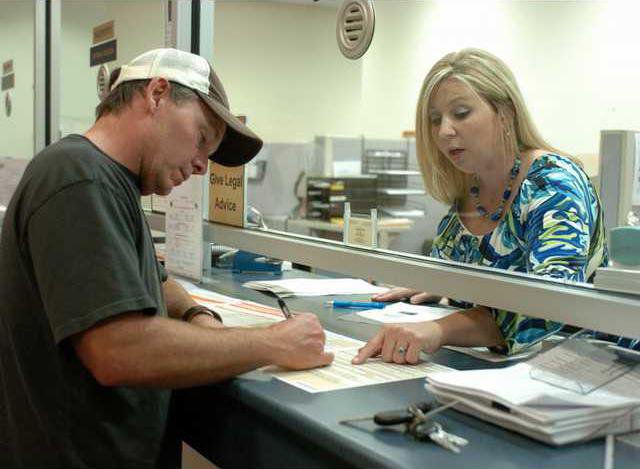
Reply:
x=592 y=400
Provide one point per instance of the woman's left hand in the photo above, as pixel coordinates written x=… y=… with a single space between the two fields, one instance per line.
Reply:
x=402 y=343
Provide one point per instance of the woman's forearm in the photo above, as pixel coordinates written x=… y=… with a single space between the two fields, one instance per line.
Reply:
x=473 y=327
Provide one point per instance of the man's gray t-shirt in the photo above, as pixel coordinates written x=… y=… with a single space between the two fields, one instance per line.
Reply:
x=75 y=249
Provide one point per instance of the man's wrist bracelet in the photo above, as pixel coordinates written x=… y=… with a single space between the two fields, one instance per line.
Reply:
x=199 y=309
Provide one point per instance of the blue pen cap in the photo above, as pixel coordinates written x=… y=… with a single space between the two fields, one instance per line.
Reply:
x=624 y=245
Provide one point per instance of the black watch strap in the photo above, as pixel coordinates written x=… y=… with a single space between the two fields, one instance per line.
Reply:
x=192 y=312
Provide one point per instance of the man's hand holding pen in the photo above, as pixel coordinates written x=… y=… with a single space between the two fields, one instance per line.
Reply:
x=298 y=343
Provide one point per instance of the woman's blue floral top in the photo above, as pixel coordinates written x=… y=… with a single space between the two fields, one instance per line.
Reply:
x=553 y=228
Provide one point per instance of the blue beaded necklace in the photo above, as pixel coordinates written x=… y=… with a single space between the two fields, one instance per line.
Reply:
x=474 y=191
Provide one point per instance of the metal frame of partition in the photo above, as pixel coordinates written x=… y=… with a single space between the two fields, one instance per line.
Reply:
x=576 y=304
x=46 y=97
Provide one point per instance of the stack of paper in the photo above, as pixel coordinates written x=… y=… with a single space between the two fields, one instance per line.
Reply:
x=315 y=287
x=511 y=398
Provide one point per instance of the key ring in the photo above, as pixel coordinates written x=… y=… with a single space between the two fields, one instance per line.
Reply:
x=413 y=427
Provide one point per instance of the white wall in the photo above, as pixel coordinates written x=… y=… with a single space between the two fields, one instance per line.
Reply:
x=577 y=64
x=139 y=26
x=281 y=67
x=16 y=42
x=576 y=61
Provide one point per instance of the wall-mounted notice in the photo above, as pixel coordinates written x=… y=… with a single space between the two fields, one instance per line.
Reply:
x=8 y=81
x=361 y=232
x=104 y=32
x=7 y=67
x=227 y=194
x=103 y=53
x=183 y=229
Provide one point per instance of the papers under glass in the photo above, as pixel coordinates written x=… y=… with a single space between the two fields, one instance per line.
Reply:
x=582 y=365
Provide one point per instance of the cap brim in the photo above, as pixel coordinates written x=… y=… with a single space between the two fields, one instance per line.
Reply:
x=239 y=144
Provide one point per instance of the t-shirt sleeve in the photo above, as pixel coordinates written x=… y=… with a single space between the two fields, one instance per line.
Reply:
x=164 y=276
x=82 y=242
x=558 y=236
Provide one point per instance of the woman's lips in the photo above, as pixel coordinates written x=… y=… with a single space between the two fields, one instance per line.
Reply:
x=456 y=152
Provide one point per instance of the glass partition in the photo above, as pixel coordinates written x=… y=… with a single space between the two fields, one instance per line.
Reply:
x=340 y=130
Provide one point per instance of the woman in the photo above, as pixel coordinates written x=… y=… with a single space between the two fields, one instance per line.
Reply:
x=516 y=204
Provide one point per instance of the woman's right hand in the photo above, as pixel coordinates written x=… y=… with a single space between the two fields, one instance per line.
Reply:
x=401 y=293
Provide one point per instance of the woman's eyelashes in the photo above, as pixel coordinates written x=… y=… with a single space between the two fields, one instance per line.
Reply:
x=457 y=114
x=461 y=113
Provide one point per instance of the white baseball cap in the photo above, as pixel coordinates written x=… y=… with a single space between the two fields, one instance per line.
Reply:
x=239 y=144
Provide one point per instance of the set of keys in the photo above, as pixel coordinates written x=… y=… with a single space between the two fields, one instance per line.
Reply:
x=419 y=424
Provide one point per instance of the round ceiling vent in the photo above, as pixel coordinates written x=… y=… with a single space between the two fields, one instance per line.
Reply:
x=354 y=28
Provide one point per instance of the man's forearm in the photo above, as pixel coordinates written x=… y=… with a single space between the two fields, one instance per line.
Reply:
x=176 y=298
x=139 y=350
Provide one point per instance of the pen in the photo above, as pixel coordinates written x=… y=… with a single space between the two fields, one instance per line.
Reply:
x=356 y=304
x=284 y=308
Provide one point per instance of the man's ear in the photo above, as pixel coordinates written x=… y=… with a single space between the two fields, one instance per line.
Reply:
x=157 y=90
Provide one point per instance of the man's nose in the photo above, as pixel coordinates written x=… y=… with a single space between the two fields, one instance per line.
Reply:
x=200 y=165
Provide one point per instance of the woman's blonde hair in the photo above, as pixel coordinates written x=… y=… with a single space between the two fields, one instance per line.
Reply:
x=491 y=79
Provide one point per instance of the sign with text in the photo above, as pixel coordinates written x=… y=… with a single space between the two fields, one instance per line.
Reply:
x=103 y=53
x=227 y=190
x=7 y=67
x=8 y=81
x=361 y=232
x=104 y=32
x=183 y=228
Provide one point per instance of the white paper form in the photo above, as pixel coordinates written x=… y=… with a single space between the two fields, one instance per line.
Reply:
x=316 y=287
x=246 y=314
x=405 y=312
x=342 y=374
x=184 y=230
x=200 y=294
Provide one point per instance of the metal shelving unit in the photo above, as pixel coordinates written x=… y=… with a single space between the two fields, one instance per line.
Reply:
x=392 y=169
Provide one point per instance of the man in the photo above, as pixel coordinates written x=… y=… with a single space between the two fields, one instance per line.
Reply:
x=91 y=337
